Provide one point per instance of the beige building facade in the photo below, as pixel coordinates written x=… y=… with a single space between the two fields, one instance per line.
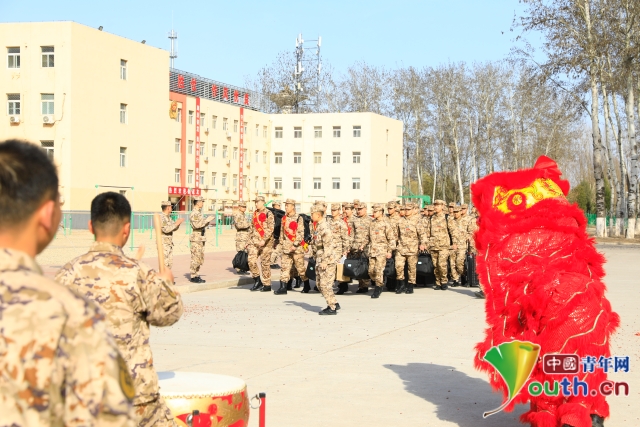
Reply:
x=114 y=117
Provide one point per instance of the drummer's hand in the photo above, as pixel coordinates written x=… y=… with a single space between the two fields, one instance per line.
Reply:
x=361 y=248
x=423 y=247
x=455 y=247
x=167 y=275
x=261 y=243
x=388 y=255
x=292 y=250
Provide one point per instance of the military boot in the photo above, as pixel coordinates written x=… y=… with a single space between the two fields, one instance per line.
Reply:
x=306 y=288
x=328 y=312
x=409 y=288
x=376 y=292
x=266 y=289
x=257 y=284
x=298 y=281
x=289 y=288
x=342 y=288
x=282 y=290
x=402 y=287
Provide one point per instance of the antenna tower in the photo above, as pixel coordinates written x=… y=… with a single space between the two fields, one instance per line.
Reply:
x=173 y=54
x=307 y=73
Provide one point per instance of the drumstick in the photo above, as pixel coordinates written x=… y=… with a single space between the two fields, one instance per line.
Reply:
x=157 y=224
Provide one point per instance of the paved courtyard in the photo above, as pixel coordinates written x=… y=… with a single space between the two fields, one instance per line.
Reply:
x=399 y=360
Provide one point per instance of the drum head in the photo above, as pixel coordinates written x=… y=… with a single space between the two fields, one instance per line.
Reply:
x=187 y=385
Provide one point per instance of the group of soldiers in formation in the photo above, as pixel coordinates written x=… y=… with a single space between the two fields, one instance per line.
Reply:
x=348 y=232
x=75 y=351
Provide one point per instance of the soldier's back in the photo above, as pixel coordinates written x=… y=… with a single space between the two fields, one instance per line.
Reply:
x=58 y=364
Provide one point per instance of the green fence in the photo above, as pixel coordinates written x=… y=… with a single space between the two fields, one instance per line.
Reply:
x=591 y=220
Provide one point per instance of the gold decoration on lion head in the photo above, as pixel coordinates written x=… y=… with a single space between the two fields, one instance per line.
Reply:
x=517 y=200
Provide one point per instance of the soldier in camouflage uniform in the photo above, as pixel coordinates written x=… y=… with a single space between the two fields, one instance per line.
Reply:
x=440 y=228
x=394 y=218
x=412 y=237
x=276 y=254
x=348 y=218
x=197 y=239
x=168 y=227
x=243 y=229
x=58 y=363
x=322 y=250
x=341 y=238
x=293 y=247
x=261 y=245
x=133 y=297
x=360 y=245
x=460 y=238
x=381 y=242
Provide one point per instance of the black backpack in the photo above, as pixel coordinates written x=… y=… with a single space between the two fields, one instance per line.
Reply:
x=277 y=218
x=307 y=228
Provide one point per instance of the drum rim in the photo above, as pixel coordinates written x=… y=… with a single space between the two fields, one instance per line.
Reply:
x=171 y=395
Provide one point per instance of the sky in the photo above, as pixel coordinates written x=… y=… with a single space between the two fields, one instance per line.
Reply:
x=228 y=41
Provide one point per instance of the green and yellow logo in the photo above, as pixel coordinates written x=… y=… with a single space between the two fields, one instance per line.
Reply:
x=514 y=361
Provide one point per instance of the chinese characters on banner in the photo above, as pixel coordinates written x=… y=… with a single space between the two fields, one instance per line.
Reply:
x=184 y=191
x=239 y=97
x=197 y=142
x=241 y=174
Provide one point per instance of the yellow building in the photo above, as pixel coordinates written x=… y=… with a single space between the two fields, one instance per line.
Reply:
x=114 y=117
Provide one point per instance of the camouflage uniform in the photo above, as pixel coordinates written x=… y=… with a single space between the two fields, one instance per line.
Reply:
x=263 y=252
x=459 y=236
x=294 y=240
x=59 y=366
x=341 y=237
x=198 y=240
x=322 y=248
x=412 y=234
x=361 y=226
x=168 y=227
x=393 y=219
x=133 y=297
x=439 y=229
x=381 y=239
x=243 y=230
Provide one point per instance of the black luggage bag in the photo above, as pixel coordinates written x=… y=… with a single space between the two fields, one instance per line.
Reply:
x=356 y=268
x=311 y=269
x=241 y=261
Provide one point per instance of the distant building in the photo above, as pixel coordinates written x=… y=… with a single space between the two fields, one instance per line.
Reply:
x=114 y=117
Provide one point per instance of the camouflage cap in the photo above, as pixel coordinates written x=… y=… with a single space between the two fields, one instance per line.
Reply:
x=289 y=202
x=361 y=206
x=464 y=206
x=347 y=205
x=242 y=204
x=452 y=205
x=335 y=206
x=356 y=202
x=411 y=205
x=259 y=199
x=378 y=207
x=392 y=205
x=431 y=208
x=197 y=198
x=457 y=209
x=438 y=202
x=316 y=208
x=402 y=207
x=165 y=203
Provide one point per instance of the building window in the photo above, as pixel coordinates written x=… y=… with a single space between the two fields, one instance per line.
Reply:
x=214 y=150
x=264 y=157
x=225 y=152
x=225 y=124
x=297 y=183
x=190 y=117
x=386 y=185
x=264 y=183
x=277 y=183
x=278 y=132
x=13 y=57
x=317 y=131
x=257 y=155
x=224 y=179
x=264 y=131
x=336 y=157
x=335 y=183
x=179 y=116
x=47 y=56
x=123 y=113
x=356 y=131
x=46 y=101
x=244 y=181
x=355 y=183
x=356 y=157
x=317 y=158
x=123 y=157
x=190 y=147
x=201 y=178
x=297 y=132
x=317 y=183
x=214 y=177
x=202 y=148
x=202 y=116
x=256 y=181
x=235 y=181
x=278 y=158
x=386 y=160
x=13 y=104
x=235 y=126
x=257 y=130
x=177 y=144
x=47 y=147
x=176 y=177
x=190 y=176
x=336 y=131
x=297 y=157
x=244 y=124
x=235 y=153
x=387 y=135
x=123 y=69
x=214 y=122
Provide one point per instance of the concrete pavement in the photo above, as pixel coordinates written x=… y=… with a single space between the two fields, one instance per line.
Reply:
x=398 y=360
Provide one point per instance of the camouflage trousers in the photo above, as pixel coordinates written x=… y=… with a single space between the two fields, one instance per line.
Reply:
x=197 y=258
x=376 y=269
x=154 y=414
x=412 y=263
x=457 y=266
x=276 y=253
x=242 y=240
x=289 y=262
x=324 y=281
x=167 y=250
x=264 y=253
x=440 y=265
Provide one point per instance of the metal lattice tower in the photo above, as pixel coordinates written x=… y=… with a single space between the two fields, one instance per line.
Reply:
x=307 y=73
x=173 y=53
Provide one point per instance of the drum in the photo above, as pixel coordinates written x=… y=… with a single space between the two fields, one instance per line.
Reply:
x=221 y=400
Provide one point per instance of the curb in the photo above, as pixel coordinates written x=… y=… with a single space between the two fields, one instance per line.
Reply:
x=207 y=286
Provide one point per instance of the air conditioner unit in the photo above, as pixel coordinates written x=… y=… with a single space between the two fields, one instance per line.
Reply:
x=14 y=119
x=206 y=187
x=248 y=164
x=228 y=162
x=227 y=189
x=206 y=130
x=228 y=134
x=206 y=159
x=47 y=120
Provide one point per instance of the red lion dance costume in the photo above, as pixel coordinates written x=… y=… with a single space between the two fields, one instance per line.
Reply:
x=543 y=283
